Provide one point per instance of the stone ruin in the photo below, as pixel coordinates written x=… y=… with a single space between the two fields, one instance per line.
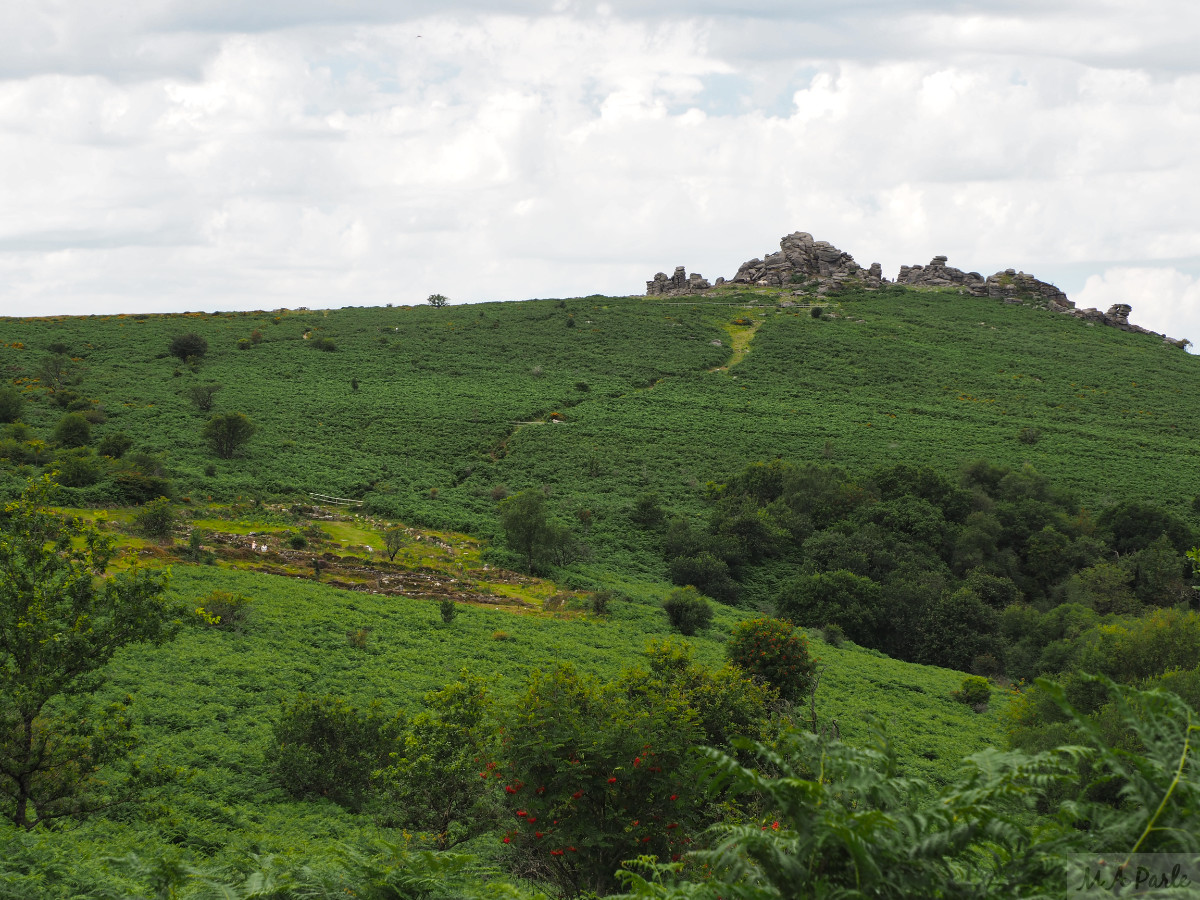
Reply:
x=818 y=266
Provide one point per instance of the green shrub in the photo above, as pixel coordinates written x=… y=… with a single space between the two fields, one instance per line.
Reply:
x=600 y=602
x=647 y=511
x=138 y=487
x=225 y=609
x=156 y=519
x=1029 y=435
x=78 y=469
x=774 y=651
x=324 y=747
x=434 y=783
x=816 y=311
x=245 y=344
x=975 y=691
x=114 y=445
x=73 y=430
x=297 y=542
x=833 y=635
x=194 y=551
x=449 y=609
x=12 y=404
x=324 y=344
x=688 y=611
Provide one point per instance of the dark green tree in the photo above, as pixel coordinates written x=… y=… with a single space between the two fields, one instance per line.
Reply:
x=12 y=404
x=324 y=747
x=73 y=430
x=688 y=610
x=227 y=433
x=59 y=625
x=437 y=300
x=852 y=601
x=528 y=530
x=188 y=346
x=393 y=540
x=775 y=652
x=433 y=783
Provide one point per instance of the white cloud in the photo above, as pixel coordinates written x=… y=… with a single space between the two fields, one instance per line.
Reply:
x=221 y=155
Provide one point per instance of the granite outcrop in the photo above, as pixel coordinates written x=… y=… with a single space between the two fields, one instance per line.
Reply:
x=808 y=266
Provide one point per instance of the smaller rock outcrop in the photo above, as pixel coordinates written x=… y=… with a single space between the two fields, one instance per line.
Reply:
x=1009 y=285
x=679 y=283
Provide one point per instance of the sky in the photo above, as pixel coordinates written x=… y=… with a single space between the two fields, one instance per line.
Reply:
x=171 y=155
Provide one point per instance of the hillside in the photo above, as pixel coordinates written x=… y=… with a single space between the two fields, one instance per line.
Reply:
x=647 y=398
x=431 y=417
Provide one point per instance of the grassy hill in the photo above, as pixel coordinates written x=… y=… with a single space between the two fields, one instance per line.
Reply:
x=436 y=423
x=431 y=415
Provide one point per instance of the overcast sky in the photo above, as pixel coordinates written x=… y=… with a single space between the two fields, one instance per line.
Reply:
x=162 y=155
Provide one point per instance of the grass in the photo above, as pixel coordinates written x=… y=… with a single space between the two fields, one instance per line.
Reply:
x=432 y=435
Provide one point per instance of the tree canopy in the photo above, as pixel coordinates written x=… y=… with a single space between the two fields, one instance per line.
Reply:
x=61 y=621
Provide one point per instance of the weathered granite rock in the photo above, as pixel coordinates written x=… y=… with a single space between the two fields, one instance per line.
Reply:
x=1009 y=285
x=679 y=283
x=938 y=274
x=813 y=265
x=803 y=260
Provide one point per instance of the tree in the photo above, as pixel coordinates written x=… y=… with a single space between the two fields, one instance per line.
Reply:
x=598 y=774
x=526 y=524
x=324 y=747
x=433 y=782
x=188 y=346
x=12 y=404
x=227 y=433
x=73 y=430
x=688 y=610
x=393 y=540
x=54 y=371
x=203 y=395
x=775 y=652
x=59 y=625
x=852 y=601
x=437 y=300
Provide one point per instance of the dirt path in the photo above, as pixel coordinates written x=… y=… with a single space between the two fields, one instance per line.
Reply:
x=740 y=337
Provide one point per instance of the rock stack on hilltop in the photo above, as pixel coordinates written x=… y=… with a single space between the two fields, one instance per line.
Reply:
x=1009 y=285
x=802 y=260
x=679 y=283
x=810 y=266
